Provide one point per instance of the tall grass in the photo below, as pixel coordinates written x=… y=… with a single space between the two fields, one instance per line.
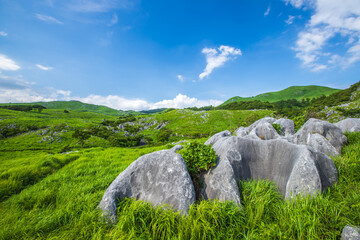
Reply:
x=63 y=206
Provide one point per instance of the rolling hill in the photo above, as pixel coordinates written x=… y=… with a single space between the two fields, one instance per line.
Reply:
x=294 y=92
x=75 y=106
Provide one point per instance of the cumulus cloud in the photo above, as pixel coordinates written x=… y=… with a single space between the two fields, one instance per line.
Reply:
x=217 y=57
x=331 y=21
x=3 y=34
x=267 y=11
x=42 y=67
x=17 y=93
x=183 y=101
x=47 y=19
x=8 y=64
x=16 y=89
x=118 y=102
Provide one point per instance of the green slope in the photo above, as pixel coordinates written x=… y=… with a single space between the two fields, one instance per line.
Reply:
x=294 y=92
x=75 y=106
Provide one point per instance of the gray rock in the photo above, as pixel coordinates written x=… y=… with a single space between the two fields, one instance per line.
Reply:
x=160 y=126
x=293 y=168
x=160 y=178
x=332 y=133
x=241 y=132
x=218 y=136
x=261 y=121
x=287 y=126
x=327 y=169
x=320 y=144
x=176 y=148
x=220 y=183
x=265 y=131
x=349 y=125
x=350 y=233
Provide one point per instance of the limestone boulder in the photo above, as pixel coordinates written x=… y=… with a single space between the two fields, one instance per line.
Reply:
x=287 y=126
x=159 y=178
x=349 y=125
x=261 y=121
x=218 y=136
x=293 y=168
x=241 y=132
x=264 y=131
x=320 y=144
x=332 y=133
x=220 y=183
x=350 y=233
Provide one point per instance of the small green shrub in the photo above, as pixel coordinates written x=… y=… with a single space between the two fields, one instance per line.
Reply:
x=198 y=157
x=277 y=127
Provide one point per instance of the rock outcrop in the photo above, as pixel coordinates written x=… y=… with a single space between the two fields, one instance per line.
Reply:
x=287 y=126
x=264 y=131
x=332 y=133
x=297 y=163
x=320 y=144
x=217 y=136
x=349 y=125
x=350 y=233
x=160 y=178
x=294 y=168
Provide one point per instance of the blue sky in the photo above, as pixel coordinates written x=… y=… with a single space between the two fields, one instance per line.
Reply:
x=133 y=54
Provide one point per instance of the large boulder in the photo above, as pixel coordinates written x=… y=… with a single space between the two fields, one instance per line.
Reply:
x=287 y=126
x=220 y=183
x=264 y=131
x=294 y=168
x=261 y=121
x=320 y=144
x=218 y=136
x=349 y=125
x=350 y=233
x=160 y=178
x=241 y=132
x=332 y=133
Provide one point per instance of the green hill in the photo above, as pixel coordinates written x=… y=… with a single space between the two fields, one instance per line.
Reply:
x=294 y=92
x=75 y=106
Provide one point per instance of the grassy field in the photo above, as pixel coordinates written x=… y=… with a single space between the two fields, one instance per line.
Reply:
x=48 y=195
x=63 y=206
x=294 y=92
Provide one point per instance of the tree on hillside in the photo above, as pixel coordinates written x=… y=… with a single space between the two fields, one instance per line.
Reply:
x=81 y=136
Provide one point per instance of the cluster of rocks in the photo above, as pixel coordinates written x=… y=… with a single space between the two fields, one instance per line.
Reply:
x=295 y=162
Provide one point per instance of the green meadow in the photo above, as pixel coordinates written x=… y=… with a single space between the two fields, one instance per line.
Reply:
x=50 y=185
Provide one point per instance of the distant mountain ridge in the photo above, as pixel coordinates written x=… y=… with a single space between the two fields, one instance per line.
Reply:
x=78 y=106
x=294 y=92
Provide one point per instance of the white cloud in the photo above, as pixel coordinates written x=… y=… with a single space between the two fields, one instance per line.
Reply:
x=183 y=101
x=26 y=93
x=332 y=20
x=180 y=78
x=267 y=11
x=8 y=64
x=43 y=67
x=13 y=82
x=3 y=34
x=290 y=20
x=299 y=3
x=99 y=5
x=117 y=102
x=217 y=57
x=47 y=19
